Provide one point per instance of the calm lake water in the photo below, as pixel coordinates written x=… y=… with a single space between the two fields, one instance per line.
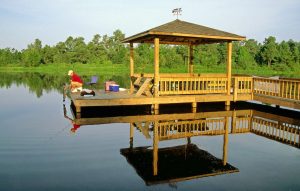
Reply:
x=250 y=147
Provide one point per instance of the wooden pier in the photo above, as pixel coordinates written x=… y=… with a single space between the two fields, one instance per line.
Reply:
x=164 y=88
x=194 y=90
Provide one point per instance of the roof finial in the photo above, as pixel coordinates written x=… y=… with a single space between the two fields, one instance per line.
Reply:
x=177 y=12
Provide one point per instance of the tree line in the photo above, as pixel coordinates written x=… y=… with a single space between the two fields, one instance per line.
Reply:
x=280 y=56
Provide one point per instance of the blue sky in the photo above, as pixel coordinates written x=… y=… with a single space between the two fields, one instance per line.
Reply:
x=51 y=21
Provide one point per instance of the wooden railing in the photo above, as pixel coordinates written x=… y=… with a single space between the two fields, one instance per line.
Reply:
x=179 y=129
x=289 y=89
x=243 y=84
x=282 y=132
x=275 y=130
x=195 y=84
x=192 y=85
x=241 y=125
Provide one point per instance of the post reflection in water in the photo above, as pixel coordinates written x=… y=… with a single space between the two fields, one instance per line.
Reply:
x=75 y=126
x=184 y=162
x=178 y=163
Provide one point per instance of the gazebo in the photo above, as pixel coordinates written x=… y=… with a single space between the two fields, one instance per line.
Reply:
x=180 y=32
x=170 y=88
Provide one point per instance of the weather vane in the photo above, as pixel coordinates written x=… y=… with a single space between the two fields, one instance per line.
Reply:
x=177 y=12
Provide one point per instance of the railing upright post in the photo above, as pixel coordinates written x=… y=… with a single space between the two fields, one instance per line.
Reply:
x=131 y=67
x=235 y=90
x=252 y=88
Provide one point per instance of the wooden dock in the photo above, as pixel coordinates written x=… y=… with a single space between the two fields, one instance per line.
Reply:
x=103 y=98
x=194 y=90
x=164 y=88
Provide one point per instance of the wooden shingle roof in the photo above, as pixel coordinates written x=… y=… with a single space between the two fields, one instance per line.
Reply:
x=181 y=32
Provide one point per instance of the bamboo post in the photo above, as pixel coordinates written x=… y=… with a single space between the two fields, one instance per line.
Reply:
x=229 y=54
x=131 y=67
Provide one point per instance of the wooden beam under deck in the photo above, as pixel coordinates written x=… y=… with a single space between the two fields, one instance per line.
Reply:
x=277 y=101
x=160 y=117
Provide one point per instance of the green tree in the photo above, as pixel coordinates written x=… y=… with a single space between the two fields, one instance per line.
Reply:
x=96 y=49
x=285 y=56
x=144 y=55
x=32 y=56
x=48 y=54
x=208 y=55
x=253 y=48
x=294 y=48
x=222 y=53
x=269 y=50
x=117 y=51
x=9 y=56
x=244 y=58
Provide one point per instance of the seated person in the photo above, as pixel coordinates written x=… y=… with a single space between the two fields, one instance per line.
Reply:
x=76 y=82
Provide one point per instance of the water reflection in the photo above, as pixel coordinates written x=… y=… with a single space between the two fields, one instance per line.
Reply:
x=39 y=83
x=172 y=164
x=75 y=126
x=183 y=162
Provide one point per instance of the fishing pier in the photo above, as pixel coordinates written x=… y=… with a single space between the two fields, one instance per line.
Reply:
x=194 y=88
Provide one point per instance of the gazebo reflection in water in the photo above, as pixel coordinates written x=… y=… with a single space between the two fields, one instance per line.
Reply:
x=183 y=162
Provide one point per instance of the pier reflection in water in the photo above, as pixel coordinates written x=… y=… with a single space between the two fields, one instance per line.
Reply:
x=183 y=162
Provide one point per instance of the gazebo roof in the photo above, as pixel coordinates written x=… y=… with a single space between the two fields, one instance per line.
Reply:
x=181 y=32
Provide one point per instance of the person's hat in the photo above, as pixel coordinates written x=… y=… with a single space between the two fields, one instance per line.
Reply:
x=70 y=72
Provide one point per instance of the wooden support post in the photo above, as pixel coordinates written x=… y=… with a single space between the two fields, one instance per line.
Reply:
x=155 y=148
x=225 y=141
x=235 y=90
x=131 y=67
x=229 y=54
x=252 y=88
x=156 y=67
x=251 y=121
x=227 y=107
x=194 y=107
x=156 y=109
x=191 y=56
x=233 y=122
x=78 y=112
x=189 y=140
x=131 y=135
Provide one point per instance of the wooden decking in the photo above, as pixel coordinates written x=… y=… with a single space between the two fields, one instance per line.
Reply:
x=103 y=98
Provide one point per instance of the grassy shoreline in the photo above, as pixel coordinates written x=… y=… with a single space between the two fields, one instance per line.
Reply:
x=121 y=69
